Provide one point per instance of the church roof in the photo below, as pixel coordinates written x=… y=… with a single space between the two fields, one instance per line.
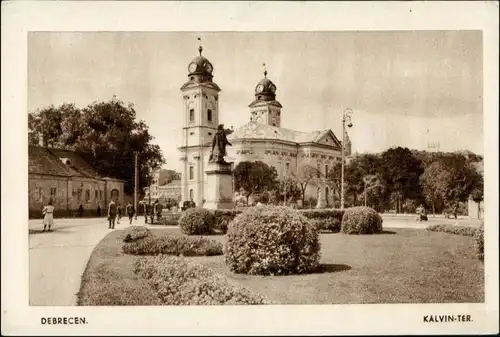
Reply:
x=256 y=130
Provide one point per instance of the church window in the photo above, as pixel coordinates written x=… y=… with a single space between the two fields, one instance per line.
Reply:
x=191 y=115
x=287 y=167
x=209 y=115
x=96 y=195
x=191 y=172
x=192 y=78
x=259 y=97
x=326 y=170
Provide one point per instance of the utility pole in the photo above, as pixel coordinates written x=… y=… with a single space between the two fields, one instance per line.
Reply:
x=136 y=182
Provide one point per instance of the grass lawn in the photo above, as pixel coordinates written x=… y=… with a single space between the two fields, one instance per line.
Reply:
x=398 y=266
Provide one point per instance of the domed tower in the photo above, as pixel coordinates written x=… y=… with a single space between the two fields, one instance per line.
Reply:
x=200 y=120
x=265 y=108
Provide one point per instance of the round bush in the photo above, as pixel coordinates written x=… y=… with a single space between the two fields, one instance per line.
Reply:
x=479 y=242
x=271 y=240
x=361 y=220
x=197 y=221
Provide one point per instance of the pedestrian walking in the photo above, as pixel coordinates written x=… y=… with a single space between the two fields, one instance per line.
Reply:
x=130 y=211
x=146 y=212
x=80 y=211
x=120 y=212
x=99 y=211
x=112 y=210
x=48 y=215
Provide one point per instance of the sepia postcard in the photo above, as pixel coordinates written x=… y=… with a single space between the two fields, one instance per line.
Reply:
x=249 y=168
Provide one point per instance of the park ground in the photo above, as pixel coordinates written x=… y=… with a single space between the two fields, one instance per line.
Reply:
x=436 y=266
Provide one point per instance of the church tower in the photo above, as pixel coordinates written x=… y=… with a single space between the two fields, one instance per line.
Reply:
x=200 y=120
x=265 y=108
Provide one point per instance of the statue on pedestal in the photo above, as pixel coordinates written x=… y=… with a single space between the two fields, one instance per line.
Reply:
x=219 y=143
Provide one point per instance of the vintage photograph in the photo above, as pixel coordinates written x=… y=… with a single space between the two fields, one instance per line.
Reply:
x=239 y=168
x=249 y=168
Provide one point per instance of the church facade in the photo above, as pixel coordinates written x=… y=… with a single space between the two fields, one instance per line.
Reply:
x=262 y=138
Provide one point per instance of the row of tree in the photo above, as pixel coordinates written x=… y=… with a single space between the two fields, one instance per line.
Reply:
x=104 y=133
x=397 y=179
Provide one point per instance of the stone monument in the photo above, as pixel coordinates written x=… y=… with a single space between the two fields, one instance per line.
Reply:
x=219 y=173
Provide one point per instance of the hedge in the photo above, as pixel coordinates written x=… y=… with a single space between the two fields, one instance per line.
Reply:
x=134 y=233
x=172 y=245
x=272 y=240
x=181 y=282
x=325 y=219
x=197 y=221
x=453 y=229
x=479 y=242
x=361 y=220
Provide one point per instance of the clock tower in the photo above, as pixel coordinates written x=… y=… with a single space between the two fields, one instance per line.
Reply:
x=265 y=108
x=200 y=120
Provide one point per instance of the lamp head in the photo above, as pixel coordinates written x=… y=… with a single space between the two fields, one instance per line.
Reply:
x=349 y=125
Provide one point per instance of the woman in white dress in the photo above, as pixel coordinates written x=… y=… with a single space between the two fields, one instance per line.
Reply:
x=48 y=215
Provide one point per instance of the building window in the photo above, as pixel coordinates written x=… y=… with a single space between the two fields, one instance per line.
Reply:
x=191 y=133
x=191 y=115
x=318 y=171
x=326 y=170
x=287 y=167
x=209 y=133
x=39 y=194
x=79 y=194
x=209 y=115
x=96 y=195
x=52 y=192
x=87 y=195
x=191 y=194
x=191 y=172
x=100 y=195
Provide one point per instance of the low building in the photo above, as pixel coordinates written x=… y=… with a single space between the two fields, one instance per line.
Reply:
x=68 y=180
x=171 y=190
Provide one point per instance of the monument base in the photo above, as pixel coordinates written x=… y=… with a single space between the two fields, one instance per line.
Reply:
x=219 y=186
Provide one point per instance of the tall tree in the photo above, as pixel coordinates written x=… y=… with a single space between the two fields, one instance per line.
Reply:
x=401 y=172
x=307 y=175
x=254 y=178
x=105 y=133
x=288 y=188
x=433 y=184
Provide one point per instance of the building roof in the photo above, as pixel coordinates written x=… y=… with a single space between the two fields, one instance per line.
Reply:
x=256 y=130
x=172 y=184
x=58 y=162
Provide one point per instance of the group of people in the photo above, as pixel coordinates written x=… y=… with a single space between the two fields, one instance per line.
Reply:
x=115 y=213
x=152 y=210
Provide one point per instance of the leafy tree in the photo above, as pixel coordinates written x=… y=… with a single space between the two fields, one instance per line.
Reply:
x=167 y=176
x=306 y=175
x=254 y=178
x=433 y=184
x=401 y=172
x=104 y=133
x=288 y=187
x=375 y=191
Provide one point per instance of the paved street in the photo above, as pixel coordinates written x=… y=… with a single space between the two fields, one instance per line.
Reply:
x=58 y=259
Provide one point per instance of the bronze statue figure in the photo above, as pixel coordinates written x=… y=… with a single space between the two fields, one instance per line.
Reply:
x=219 y=143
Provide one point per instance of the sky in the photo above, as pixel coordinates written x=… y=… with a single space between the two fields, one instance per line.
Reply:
x=405 y=88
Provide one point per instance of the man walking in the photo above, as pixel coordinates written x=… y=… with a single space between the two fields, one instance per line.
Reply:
x=130 y=211
x=112 y=210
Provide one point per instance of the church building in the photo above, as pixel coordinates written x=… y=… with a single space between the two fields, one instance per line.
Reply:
x=261 y=138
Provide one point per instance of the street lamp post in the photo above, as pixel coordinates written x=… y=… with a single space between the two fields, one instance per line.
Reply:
x=346 y=117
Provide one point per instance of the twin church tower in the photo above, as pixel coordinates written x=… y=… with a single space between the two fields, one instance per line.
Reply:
x=256 y=140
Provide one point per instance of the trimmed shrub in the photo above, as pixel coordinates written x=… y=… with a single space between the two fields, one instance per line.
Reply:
x=325 y=219
x=173 y=245
x=453 y=229
x=134 y=233
x=271 y=240
x=181 y=282
x=169 y=219
x=361 y=220
x=479 y=242
x=197 y=221
x=223 y=217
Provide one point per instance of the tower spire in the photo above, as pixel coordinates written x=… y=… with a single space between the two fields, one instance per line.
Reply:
x=200 y=48
x=265 y=70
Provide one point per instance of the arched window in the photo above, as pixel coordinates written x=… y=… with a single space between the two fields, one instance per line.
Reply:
x=191 y=194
